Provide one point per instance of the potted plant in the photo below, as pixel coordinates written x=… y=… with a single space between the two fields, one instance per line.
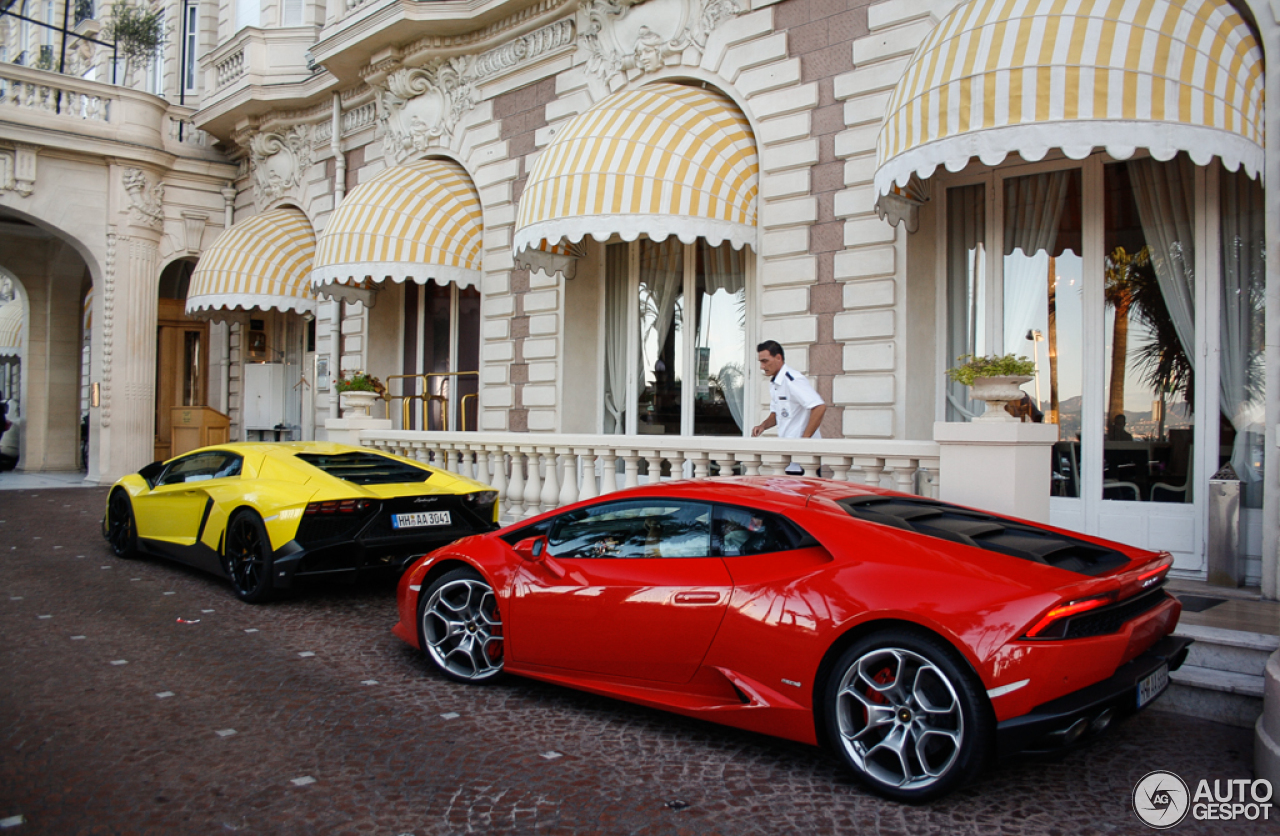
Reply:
x=994 y=379
x=357 y=393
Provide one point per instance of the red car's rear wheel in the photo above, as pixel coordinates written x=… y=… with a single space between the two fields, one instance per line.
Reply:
x=461 y=628
x=906 y=716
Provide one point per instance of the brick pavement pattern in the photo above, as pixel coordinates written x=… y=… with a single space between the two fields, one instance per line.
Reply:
x=139 y=697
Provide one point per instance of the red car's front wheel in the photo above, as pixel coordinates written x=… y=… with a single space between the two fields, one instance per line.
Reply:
x=461 y=628
x=906 y=716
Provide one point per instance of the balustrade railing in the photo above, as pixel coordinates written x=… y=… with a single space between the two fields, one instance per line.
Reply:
x=536 y=473
x=230 y=68
x=36 y=92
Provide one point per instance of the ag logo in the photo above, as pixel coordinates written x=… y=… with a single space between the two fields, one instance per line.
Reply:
x=1161 y=799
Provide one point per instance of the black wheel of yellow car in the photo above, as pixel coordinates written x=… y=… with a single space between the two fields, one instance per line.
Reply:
x=907 y=715
x=246 y=558
x=460 y=628
x=122 y=531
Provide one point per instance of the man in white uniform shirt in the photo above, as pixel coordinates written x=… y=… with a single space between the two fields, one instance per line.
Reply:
x=794 y=407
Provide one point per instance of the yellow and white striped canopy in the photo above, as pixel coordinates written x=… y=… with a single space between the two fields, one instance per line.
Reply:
x=11 y=320
x=86 y=313
x=263 y=262
x=1004 y=76
x=420 y=221
x=659 y=160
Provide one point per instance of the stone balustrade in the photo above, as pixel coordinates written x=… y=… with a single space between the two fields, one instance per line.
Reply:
x=229 y=68
x=43 y=93
x=536 y=473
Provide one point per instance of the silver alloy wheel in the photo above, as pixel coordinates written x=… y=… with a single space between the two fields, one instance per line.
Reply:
x=463 y=629
x=900 y=718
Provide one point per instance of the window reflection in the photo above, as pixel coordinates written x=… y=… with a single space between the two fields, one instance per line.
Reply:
x=640 y=529
x=1149 y=331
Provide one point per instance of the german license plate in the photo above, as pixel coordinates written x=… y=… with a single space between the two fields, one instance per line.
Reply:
x=1152 y=686
x=420 y=519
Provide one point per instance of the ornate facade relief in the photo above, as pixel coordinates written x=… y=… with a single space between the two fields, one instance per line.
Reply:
x=622 y=35
x=146 y=199
x=279 y=162
x=18 y=169
x=420 y=107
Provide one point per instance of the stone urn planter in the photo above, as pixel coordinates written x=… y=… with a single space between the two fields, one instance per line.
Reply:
x=997 y=392
x=356 y=404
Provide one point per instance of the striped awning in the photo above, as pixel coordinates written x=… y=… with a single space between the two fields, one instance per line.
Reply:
x=660 y=160
x=263 y=262
x=11 y=320
x=996 y=78
x=86 y=313
x=415 y=222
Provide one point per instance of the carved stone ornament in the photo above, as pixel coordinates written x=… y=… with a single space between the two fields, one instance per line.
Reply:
x=421 y=106
x=622 y=35
x=146 y=200
x=18 y=169
x=278 y=162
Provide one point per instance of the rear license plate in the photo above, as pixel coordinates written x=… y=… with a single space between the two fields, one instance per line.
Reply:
x=1153 y=685
x=420 y=519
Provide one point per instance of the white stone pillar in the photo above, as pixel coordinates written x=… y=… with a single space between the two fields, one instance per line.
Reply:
x=997 y=466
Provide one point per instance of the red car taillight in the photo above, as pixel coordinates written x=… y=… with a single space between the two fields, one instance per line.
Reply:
x=1154 y=575
x=1052 y=625
x=339 y=506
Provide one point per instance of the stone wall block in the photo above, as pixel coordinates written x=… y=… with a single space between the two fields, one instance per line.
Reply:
x=731 y=32
x=868 y=231
x=882 y=15
x=496 y=329
x=542 y=420
x=789 y=100
x=494 y=284
x=493 y=374
x=785 y=184
x=860 y=200
x=800 y=154
x=498 y=352
x=784 y=128
x=533 y=395
x=540 y=349
x=567 y=106
x=891 y=43
x=786 y=242
x=499 y=396
x=864 y=325
x=792 y=330
x=791 y=300
x=860 y=170
x=496 y=172
x=782 y=213
x=769 y=77
x=868 y=423
x=745 y=56
x=859 y=140
x=878 y=293
x=543 y=324
x=543 y=300
x=863 y=389
x=789 y=271
x=866 y=263
x=870 y=108
x=542 y=372
x=869 y=357
x=870 y=79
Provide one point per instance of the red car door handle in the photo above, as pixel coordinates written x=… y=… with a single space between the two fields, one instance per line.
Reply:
x=697 y=597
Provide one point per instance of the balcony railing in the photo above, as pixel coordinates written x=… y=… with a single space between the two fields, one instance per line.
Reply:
x=41 y=94
x=536 y=473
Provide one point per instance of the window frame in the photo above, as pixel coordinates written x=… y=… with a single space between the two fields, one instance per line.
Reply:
x=1207 y=264
x=689 y=382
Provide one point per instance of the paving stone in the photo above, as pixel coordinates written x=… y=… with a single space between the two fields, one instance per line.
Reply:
x=88 y=751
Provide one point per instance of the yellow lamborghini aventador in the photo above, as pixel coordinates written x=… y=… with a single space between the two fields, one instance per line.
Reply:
x=265 y=515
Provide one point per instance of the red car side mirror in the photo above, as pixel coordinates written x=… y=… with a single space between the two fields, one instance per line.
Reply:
x=532 y=548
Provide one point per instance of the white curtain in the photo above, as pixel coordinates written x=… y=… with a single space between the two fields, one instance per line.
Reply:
x=1033 y=208
x=615 y=339
x=1242 y=382
x=724 y=268
x=966 y=234
x=1165 y=194
x=662 y=278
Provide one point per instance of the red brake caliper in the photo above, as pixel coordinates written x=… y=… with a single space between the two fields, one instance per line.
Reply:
x=883 y=677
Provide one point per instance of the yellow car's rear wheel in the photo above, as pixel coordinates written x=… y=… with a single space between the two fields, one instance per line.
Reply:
x=246 y=557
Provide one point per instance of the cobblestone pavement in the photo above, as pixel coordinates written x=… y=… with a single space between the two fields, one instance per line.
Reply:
x=308 y=717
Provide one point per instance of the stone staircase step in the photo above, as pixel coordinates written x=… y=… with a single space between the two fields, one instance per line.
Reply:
x=1228 y=650
x=1228 y=682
